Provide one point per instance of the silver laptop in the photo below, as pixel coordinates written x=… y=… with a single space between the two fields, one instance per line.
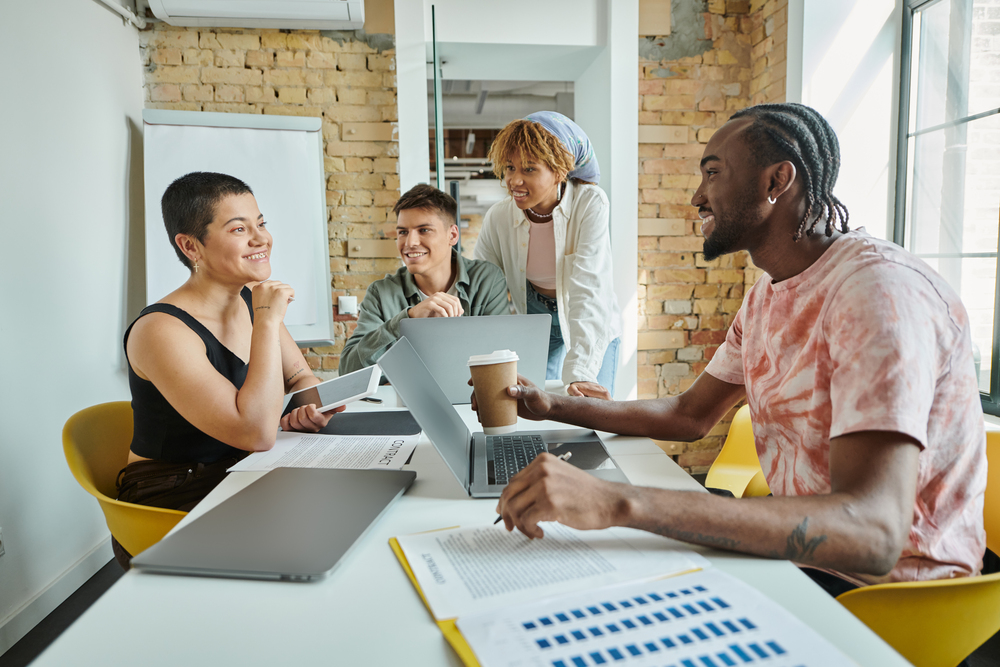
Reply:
x=292 y=524
x=441 y=341
x=483 y=463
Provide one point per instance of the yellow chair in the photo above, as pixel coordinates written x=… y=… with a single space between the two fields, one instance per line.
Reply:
x=737 y=468
x=991 y=510
x=939 y=623
x=96 y=442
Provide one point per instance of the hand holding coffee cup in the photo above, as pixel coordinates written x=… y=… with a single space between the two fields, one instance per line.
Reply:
x=491 y=375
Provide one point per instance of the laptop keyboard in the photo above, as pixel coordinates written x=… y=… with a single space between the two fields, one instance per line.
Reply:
x=510 y=454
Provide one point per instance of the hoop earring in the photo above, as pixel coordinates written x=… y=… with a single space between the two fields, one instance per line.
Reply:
x=770 y=201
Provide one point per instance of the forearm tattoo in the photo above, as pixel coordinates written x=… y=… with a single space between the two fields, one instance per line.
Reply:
x=798 y=548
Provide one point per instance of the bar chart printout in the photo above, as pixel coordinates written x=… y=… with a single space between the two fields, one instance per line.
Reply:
x=701 y=619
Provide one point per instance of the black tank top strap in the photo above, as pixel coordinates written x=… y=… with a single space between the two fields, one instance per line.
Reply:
x=206 y=336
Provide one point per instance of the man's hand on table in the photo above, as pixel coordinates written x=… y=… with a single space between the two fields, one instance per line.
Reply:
x=591 y=389
x=553 y=490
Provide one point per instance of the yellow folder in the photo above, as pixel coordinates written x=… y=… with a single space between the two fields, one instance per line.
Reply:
x=447 y=627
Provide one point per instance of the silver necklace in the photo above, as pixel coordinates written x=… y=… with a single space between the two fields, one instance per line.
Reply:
x=548 y=216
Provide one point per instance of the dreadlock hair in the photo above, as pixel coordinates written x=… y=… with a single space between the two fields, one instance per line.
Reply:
x=528 y=140
x=799 y=134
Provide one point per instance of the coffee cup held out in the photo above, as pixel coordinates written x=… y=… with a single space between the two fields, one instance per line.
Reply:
x=492 y=374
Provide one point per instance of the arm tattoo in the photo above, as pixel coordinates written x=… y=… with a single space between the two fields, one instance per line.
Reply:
x=263 y=308
x=290 y=377
x=798 y=548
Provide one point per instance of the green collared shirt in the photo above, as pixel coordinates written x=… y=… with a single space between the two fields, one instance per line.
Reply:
x=481 y=287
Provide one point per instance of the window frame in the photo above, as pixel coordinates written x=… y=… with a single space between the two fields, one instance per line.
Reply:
x=991 y=399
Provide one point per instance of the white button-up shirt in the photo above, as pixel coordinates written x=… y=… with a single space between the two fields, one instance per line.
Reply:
x=589 y=316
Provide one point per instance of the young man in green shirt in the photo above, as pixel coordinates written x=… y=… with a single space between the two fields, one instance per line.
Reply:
x=435 y=280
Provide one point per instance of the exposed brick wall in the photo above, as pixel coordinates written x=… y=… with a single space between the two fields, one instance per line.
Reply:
x=298 y=73
x=769 y=49
x=688 y=303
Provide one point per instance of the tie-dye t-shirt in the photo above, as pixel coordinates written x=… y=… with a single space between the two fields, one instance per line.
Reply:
x=868 y=338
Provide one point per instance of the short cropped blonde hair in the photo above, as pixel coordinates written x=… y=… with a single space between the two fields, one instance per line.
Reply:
x=529 y=141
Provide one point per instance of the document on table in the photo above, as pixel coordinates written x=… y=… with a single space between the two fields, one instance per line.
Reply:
x=703 y=619
x=315 y=450
x=466 y=570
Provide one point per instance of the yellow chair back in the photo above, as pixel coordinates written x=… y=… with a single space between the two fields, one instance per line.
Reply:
x=737 y=468
x=930 y=623
x=96 y=442
x=939 y=623
x=991 y=509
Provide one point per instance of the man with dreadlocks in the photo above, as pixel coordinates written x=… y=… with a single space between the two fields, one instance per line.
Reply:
x=856 y=361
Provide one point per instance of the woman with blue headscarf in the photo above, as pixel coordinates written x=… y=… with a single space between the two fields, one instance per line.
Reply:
x=551 y=238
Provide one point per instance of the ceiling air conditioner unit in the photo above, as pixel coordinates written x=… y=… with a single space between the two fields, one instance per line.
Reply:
x=292 y=14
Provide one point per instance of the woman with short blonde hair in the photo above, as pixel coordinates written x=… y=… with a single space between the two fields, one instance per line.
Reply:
x=551 y=238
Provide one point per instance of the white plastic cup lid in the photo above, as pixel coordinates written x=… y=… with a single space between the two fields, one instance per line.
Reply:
x=496 y=357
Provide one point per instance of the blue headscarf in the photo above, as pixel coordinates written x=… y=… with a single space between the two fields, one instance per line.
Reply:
x=576 y=142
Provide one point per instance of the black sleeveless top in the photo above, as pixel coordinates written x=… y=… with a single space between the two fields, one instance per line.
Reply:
x=159 y=431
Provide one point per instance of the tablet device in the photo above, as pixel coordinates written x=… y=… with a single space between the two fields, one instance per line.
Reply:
x=336 y=392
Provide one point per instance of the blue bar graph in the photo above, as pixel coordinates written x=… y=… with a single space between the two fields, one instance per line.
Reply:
x=578 y=634
x=726 y=660
x=561 y=639
x=612 y=627
x=529 y=625
x=563 y=618
x=609 y=606
x=747 y=624
x=740 y=653
x=595 y=631
x=594 y=611
x=543 y=643
x=633 y=649
x=629 y=624
x=699 y=633
x=758 y=650
x=597 y=658
x=545 y=620
x=660 y=616
x=651 y=647
x=720 y=603
x=644 y=620
x=615 y=654
x=577 y=613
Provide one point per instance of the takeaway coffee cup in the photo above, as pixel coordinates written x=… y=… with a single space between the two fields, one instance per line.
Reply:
x=491 y=375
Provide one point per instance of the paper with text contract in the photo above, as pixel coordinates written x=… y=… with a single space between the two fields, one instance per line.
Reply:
x=476 y=569
x=317 y=450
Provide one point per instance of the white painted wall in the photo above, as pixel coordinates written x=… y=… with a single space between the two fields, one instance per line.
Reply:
x=593 y=43
x=70 y=188
x=844 y=62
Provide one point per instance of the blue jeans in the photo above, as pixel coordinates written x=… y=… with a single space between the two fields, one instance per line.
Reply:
x=541 y=304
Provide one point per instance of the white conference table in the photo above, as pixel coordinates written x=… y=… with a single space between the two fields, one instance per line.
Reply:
x=367 y=612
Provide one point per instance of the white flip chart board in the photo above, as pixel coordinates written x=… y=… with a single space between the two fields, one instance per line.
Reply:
x=281 y=159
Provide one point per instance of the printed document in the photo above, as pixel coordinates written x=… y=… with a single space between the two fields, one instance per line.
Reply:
x=705 y=618
x=465 y=570
x=316 y=450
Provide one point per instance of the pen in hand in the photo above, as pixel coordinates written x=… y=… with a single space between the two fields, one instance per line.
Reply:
x=561 y=457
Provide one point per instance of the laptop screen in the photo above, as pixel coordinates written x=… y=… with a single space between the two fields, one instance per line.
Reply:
x=429 y=406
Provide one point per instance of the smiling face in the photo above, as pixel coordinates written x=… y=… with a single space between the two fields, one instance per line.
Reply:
x=532 y=184
x=424 y=240
x=728 y=200
x=237 y=247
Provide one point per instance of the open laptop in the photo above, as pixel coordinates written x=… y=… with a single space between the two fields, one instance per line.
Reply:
x=292 y=524
x=441 y=341
x=480 y=462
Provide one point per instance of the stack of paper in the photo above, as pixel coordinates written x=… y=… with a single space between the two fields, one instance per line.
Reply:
x=315 y=450
x=591 y=598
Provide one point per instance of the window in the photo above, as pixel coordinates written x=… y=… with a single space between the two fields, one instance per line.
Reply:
x=948 y=175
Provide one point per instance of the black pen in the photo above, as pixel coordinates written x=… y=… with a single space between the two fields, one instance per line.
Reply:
x=561 y=457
